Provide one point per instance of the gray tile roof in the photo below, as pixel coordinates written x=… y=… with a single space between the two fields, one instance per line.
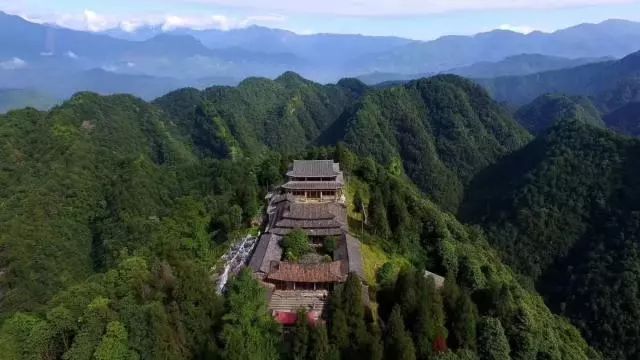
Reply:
x=267 y=250
x=354 y=255
x=313 y=168
x=310 y=211
x=313 y=185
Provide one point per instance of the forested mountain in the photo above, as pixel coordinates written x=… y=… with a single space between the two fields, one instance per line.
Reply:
x=612 y=83
x=439 y=131
x=548 y=109
x=564 y=212
x=626 y=119
x=285 y=114
x=114 y=211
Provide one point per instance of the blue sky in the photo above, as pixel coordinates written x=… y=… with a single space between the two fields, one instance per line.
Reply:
x=418 y=19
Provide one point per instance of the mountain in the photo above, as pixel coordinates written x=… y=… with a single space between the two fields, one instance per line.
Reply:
x=378 y=78
x=523 y=64
x=113 y=216
x=440 y=132
x=62 y=85
x=329 y=53
x=46 y=47
x=564 y=212
x=625 y=120
x=612 y=83
x=11 y=99
x=547 y=110
x=611 y=38
x=286 y=114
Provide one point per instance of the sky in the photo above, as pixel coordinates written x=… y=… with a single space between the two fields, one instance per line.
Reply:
x=416 y=19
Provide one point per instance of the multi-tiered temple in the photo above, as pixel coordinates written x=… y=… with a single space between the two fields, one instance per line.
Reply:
x=315 y=180
x=313 y=201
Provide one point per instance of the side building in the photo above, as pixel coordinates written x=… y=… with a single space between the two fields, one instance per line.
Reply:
x=313 y=201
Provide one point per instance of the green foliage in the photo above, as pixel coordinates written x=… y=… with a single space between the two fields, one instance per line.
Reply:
x=397 y=341
x=330 y=244
x=295 y=244
x=547 y=110
x=249 y=332
x=113 y=212
x=442 y=131
x=566 y=211
x=319 y=347
x=493 y=344
x=285 y=114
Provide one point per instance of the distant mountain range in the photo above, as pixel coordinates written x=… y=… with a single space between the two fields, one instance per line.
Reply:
x=611 y=84
x=20 y=98
x=149 y=62
x=614 y=38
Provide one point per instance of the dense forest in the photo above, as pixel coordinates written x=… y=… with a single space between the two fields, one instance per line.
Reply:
x=115 y=211
x=571 y=199
x=548 y=109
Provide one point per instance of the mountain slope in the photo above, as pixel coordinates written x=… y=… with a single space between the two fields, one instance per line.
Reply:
x=439 y=131
x=523 y=64
x=563 y=211
x=285 y=114
x=600 y=80
x=112 y=217
x=625 y=120
x=548 y=109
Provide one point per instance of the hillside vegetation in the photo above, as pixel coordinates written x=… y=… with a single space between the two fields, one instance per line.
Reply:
x=114 y=211
x=547 y=110
x=440 y=132
x=569 y=201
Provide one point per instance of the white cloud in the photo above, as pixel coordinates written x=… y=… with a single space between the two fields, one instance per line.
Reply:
x=13 y=64
x=90 y=20
x=523 y=29
x=70 y=54
x=109 y=68
x=395 y=7
x=46 y=53
x=96 y=22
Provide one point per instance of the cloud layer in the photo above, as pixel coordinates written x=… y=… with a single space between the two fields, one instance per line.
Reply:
x=395 y=7
x=93 y=21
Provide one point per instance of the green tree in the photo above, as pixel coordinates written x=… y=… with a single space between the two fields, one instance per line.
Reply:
x=492 y=342
x=462 y=316
x=331 y=244
x=398 y=344
x=249 y=331
x=114 y=344
x=295 y=244
x=377 y=215
x=319 y=347
x=301 y=337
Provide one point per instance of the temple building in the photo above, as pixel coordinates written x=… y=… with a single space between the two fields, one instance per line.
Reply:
x=319 y=180
x=313 y=201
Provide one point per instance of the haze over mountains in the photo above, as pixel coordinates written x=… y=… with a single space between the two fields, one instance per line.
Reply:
x=57 y=62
